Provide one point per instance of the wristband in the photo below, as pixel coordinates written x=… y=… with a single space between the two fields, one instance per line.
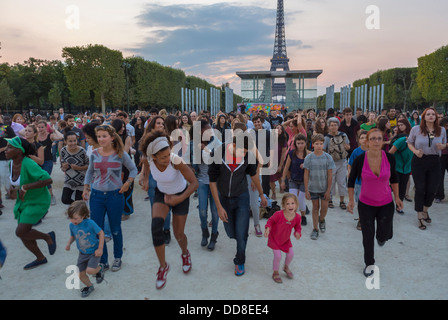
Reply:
x=23 y=189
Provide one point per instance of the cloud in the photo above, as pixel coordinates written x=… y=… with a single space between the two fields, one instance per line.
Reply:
x=186 y=35
x=211 y=41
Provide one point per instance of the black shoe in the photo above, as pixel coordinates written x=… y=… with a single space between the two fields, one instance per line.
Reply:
x=211 y=245
x=100 y=275
x=303 y=223
x=205 y=235
x=85 y=292
x=167 y=235
x=35 y=264
x=399 y=211
x=52 y=247
x=367 y=274
x=381 y=243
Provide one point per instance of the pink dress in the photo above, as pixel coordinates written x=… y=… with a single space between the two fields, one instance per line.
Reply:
x=281 y=229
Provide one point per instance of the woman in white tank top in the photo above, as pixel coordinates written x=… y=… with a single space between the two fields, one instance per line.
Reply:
x=175 y=183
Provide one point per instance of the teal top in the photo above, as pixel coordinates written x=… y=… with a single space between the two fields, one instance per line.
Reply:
x=403 y=156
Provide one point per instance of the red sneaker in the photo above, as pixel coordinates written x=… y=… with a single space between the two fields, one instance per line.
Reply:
x=186 y=262
x=161 y=276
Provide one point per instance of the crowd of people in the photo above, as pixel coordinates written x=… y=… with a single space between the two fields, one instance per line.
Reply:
x=320 y=156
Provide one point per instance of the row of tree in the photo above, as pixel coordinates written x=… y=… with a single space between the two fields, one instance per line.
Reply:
x=409 y=88
x=94 y=77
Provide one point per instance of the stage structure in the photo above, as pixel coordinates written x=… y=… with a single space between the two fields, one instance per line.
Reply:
x=295 y=89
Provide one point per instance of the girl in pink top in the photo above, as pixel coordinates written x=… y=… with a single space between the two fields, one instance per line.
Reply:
x=278 y=231
x=293 y=127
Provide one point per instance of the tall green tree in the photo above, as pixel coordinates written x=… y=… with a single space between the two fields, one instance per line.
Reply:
x=432 y=76
x=7 y=97
x=96 y=73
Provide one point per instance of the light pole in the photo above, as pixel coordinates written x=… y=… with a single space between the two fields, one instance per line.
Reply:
x=126 y=66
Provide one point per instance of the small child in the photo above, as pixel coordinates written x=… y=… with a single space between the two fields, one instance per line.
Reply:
x=319 y=167
x=278 y=231
x=89 y=240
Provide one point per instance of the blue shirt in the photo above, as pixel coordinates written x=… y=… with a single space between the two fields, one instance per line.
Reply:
x=86 y=235
x=357 y=152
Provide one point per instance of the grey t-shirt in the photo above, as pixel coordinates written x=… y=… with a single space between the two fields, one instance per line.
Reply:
x=419 y=141
x=318 y=167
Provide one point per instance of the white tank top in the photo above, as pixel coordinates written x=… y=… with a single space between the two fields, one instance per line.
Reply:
x=170 y=181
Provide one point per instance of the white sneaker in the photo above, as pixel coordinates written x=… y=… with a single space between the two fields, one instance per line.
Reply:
x=53 y=200
x=116 y=265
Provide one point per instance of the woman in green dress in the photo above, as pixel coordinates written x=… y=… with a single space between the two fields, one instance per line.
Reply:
x=29 y=186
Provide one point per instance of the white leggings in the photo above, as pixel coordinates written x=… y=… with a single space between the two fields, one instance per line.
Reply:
x=301 y=196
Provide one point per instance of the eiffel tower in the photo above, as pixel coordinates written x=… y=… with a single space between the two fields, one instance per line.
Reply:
x=280 y=57
x=260 y=87
x=280 y=60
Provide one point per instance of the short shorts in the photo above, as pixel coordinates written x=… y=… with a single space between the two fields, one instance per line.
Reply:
x=180 y=209
x=317 y=196
x=87 y=261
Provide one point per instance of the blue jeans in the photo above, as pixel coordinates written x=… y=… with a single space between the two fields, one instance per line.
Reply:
x=108 y=204
x=48 y=167
x=151 y=195
x=2 y=254
x=237 y=227
x=54 y=150
x=205 y=196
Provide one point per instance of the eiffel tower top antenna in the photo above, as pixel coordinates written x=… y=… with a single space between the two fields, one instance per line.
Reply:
x=280 y=58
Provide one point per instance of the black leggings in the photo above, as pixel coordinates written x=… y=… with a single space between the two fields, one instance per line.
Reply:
x=403 y=179
x=426 y=173
x=67 y=195
x=384 y=227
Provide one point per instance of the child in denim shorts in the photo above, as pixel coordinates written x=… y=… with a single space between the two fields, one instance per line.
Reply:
x=318 y=167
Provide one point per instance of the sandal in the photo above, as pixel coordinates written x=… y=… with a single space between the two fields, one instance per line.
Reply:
x=407 y=198
x=421 y=226
x=343 y=206
x=276 y=278
x=288 y=272
x=358 y=226
x=427 y=219
x=330 y=204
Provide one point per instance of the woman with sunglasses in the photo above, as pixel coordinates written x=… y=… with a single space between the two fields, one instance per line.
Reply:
x=376 y=170
x=426 y=141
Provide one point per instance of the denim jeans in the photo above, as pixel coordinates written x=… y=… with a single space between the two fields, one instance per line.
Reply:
x=205 y=197
x=54 y=150
x=237 y=227
x=151 y=194
x=253 y=201
x=108 y=204
x=48 y=167
x=3 y=254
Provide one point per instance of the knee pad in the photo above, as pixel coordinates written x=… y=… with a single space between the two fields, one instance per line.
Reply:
x=157 y=231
